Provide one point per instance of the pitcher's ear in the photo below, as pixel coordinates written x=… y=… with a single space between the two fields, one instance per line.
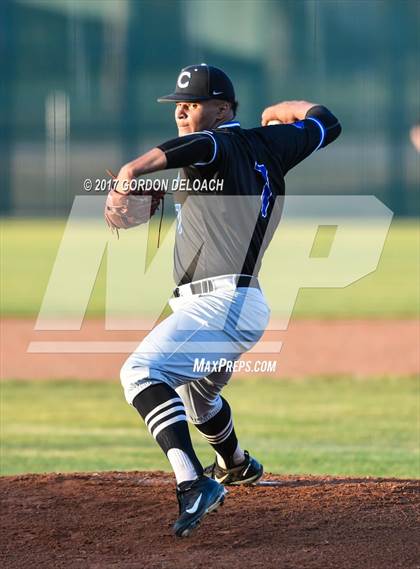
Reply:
x=222 y=107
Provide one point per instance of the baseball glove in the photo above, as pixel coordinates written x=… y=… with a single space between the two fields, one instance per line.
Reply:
x=125 y=210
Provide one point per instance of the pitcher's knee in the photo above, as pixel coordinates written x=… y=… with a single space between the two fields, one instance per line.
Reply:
x=134 y=378
x=200 y=407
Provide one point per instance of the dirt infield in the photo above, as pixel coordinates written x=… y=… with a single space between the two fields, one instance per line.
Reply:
x=310 y=348
x=124 y=520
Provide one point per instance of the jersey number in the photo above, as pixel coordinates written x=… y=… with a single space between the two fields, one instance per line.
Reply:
x=266 y=192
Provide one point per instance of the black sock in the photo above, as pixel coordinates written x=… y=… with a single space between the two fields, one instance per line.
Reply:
x=219 y=432
x=164 y=414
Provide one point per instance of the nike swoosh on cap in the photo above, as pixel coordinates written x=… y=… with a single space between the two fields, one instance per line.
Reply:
x=217 y=92
x=194 y=507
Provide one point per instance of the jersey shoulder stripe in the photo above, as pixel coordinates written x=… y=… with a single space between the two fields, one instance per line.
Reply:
x=210 y=134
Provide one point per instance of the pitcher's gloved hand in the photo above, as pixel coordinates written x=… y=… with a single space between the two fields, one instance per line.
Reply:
x=129 y=209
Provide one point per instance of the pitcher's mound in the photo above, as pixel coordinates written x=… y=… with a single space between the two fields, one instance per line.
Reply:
x=124 y=520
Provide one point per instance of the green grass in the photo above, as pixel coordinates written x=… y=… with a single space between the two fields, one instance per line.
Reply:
x=29 y=248
x=337 y=426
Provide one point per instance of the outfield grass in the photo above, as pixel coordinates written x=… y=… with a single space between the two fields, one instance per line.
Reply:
x=29 y=249
x=316 y=426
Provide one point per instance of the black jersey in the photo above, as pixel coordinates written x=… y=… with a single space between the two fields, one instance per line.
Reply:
x=227 y=230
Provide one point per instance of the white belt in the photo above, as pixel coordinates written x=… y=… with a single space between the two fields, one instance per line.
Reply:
x=224 y=282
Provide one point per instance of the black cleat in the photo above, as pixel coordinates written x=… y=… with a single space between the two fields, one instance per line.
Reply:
x=249 y=472
x=196 y=499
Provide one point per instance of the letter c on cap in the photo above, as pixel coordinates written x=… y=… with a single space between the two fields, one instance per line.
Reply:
x=183 y=84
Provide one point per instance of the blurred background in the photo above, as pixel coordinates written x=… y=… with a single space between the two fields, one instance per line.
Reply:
x=78 y=91
x=80 y=80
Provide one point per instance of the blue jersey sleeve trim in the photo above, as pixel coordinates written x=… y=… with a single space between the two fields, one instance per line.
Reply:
x=322 y=130
x=215 y=149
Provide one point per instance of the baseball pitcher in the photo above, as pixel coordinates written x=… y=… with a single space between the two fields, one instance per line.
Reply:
x=219 y=309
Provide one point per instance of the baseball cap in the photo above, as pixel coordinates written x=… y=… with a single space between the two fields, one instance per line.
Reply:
x=201 y=82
